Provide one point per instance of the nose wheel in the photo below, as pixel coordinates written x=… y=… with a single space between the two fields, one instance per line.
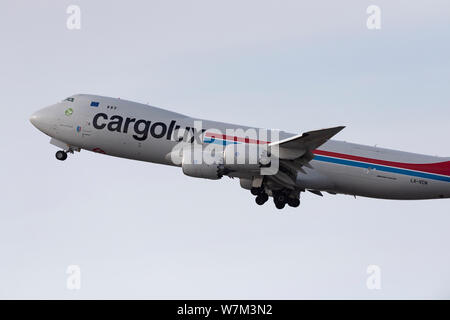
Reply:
x=61 y=155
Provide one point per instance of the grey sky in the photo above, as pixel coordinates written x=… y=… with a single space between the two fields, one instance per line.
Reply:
x=139 y=230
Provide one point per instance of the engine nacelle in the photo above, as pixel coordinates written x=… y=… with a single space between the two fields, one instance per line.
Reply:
x=198 y=168
x=245 y=156
x=202 y=170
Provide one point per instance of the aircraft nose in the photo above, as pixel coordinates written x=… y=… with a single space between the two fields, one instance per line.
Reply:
x=41 y=119
x=37 y=119
x=34 y=119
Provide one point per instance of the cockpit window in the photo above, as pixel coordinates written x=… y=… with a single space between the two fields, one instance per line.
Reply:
x=69 y=99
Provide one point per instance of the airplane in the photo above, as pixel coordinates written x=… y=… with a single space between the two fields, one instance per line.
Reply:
x=283 y=165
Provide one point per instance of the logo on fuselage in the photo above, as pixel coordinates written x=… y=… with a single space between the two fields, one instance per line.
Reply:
x=143 y=128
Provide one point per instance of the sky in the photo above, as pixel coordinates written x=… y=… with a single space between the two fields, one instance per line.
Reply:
x=144 y=231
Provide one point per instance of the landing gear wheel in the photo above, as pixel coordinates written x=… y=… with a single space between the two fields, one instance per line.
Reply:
x=261 y=199
x=280 y=198
x=256 y=191
x=61 y=155
x=293 y=202
x=280 y=205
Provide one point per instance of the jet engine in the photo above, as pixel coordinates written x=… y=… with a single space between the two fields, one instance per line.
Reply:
x=194 y=165
x=202 y=170
x=245 y=156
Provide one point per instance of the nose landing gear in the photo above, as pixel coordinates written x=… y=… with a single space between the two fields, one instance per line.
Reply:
x=61 y=155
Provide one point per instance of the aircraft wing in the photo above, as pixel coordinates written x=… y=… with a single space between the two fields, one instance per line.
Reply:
x=296 y=152
x=302 y=145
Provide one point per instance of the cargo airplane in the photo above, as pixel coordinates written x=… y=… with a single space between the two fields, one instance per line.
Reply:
x=269 y=163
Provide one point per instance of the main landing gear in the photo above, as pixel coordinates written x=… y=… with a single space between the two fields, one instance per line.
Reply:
x=261 y=198
x=293 y=202
x=280 y=199
x=261 y=195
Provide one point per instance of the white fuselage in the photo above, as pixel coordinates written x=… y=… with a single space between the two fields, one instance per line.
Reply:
x=137 y=131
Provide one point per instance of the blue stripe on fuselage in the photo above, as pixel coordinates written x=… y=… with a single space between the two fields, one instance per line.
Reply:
x=382 y=168
x=219 y=141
